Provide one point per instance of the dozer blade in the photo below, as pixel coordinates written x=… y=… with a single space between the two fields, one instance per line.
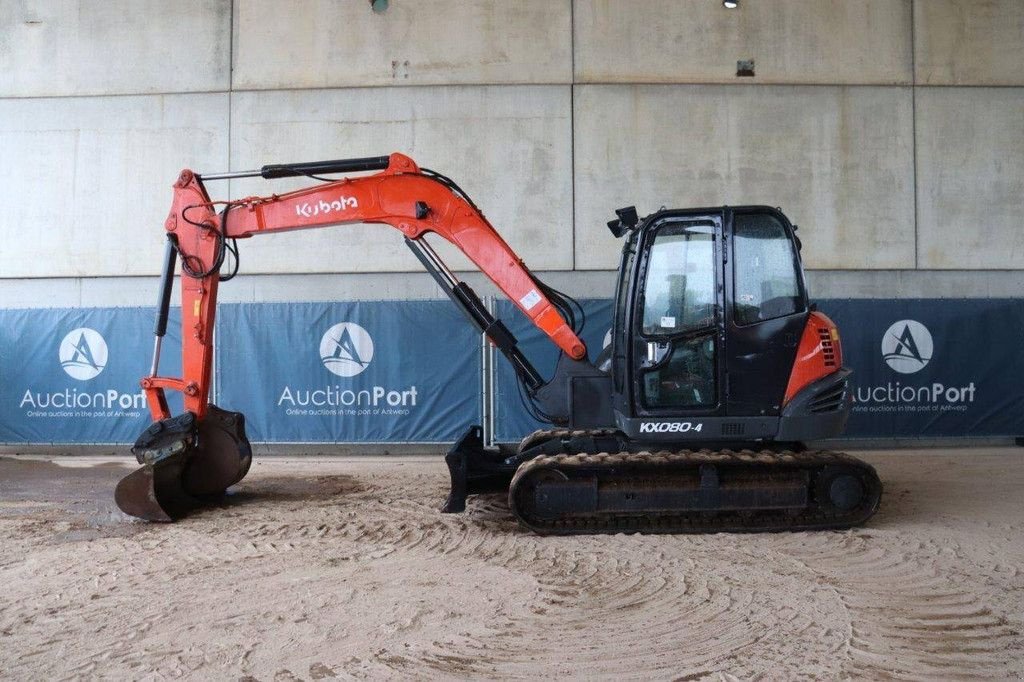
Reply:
x=475 y=469
x=186 y=463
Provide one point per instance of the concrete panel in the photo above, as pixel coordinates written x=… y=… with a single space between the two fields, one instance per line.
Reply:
x=837 y=160
x=970 y=180
x=699 y=41
x=509 y=147
x=81 y=47
x=969 y=42
x=86 y=181
x=325 y=43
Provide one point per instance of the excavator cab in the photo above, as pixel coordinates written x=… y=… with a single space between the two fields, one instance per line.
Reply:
x=710 y=309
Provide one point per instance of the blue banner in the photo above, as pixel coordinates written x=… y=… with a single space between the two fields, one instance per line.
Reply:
x=933 y=367
x=360 y=372
x=72 y=375
x=393 y=371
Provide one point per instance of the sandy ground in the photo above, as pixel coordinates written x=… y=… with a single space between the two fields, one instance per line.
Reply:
x=344 y=568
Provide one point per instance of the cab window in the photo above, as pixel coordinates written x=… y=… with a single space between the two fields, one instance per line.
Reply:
x=766 y=270
x=679 y=287
x=687 y=380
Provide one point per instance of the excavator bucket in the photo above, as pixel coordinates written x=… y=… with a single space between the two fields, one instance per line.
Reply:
x=186 y=463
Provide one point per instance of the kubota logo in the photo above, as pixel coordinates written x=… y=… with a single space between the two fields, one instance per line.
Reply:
x=308 y=210
x=907 y=346
x=83 y=353
x=346 y=349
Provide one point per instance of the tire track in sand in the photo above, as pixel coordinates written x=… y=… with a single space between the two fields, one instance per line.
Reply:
x=623 y=605
x=359 y=575
x=910 y=617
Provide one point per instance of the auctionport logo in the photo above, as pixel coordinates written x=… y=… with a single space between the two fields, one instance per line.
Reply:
x=907 y=346
x=83 y=354
x=346 y=349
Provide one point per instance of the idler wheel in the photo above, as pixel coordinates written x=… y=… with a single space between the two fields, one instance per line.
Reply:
x=845 y=492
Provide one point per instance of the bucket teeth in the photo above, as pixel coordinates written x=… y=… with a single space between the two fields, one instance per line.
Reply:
x=186 y=463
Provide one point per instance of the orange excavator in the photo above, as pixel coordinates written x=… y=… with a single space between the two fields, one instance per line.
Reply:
x=693 y=419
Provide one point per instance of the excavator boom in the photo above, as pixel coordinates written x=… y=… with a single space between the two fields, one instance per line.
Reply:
x=205 y=449
x=401 y=196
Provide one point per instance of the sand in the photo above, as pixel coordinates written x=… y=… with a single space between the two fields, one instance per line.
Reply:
x=344 y=568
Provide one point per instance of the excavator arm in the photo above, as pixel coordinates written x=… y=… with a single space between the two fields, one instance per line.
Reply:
x=401 y=195
x=196 y=455
x=594 y=476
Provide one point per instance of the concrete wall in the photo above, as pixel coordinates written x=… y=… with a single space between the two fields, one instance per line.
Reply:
x=85 y=180
x=891 y=131
x=331 y=44
x=968 y=42
x=970 y=188
x=509 y=147
x=836 y=159
x=63 y=48
x=790 y=41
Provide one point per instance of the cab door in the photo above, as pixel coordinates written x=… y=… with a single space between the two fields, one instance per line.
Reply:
x=677 y=322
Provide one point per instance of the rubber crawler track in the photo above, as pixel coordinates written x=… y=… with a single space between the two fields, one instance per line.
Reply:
x=542 y=435
x=624 y=467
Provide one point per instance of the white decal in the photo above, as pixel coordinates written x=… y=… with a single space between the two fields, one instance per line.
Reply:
x=308 y=210
x=670 y=427
x=531 y=299
x=335 y=396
